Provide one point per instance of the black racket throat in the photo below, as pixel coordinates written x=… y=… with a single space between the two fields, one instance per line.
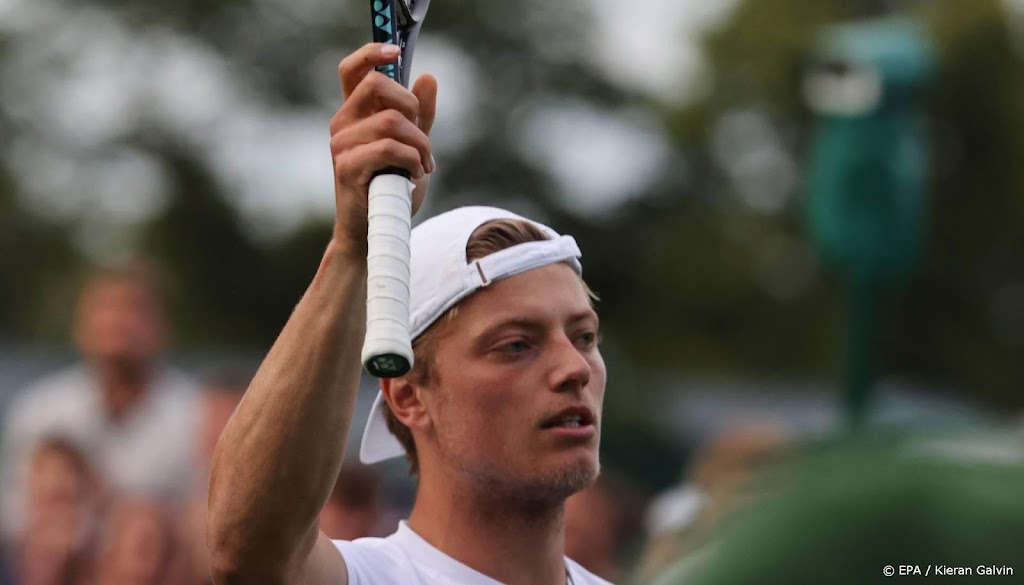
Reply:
x=393 y=171
x=398 y=22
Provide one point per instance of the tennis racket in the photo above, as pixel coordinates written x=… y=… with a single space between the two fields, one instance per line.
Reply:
x=387 y=349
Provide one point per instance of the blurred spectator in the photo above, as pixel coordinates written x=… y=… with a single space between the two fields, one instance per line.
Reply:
x=600 y=522
x=353 y=510
x=223 y=388
x=138 y=546
x=720 y=479
x=873 y=510
x=131 y=415
x=61 y=508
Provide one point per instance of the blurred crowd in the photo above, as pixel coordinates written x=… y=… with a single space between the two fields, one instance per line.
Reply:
x=105 y=468
x=105 y=465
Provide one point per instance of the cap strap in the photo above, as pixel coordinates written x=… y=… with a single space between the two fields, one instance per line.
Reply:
x=523 y=257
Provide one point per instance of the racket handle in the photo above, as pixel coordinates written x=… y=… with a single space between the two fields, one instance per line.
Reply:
x=387 y=349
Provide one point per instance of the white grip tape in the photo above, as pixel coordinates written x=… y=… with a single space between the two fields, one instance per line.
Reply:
x=387 y=264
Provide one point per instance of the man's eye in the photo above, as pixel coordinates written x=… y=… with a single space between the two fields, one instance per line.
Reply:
x=515 y=346
x=588 y=339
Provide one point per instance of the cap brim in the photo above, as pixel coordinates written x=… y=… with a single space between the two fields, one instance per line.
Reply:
x=378 y=442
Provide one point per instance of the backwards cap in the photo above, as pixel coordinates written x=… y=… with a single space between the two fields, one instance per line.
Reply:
x=441 y=277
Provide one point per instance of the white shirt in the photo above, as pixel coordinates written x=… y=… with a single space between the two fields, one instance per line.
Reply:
x=404 y=558
x=148 y=452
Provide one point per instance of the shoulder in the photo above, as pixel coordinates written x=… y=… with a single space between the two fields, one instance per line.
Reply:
x=377 y=561
x=581 y=576
x=174 y=382
x=71 y=381
x=58 y=394
x=175 y=394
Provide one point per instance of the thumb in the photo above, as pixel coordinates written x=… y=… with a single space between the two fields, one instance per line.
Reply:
x=425 y=90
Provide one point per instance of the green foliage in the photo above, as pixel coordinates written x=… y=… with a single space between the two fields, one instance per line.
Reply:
x=226 y=291
x=230 y=289
x=36 y=260
x=947 y=326
x=705 y=271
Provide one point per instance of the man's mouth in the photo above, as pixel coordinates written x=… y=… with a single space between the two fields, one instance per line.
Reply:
x=570 y=418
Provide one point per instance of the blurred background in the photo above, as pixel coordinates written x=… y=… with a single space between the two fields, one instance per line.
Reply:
x=681 y=142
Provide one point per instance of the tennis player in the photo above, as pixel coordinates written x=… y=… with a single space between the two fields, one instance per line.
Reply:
x=499 y=418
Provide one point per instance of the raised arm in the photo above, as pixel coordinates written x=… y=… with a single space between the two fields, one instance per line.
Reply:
x=278 y=458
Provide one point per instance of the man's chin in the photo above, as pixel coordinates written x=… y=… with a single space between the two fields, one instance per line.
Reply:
x=546 y=484
x=568 y=479
x=125 y=362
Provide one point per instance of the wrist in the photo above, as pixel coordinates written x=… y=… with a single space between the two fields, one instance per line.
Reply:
x=348 y=247
x=342 y=275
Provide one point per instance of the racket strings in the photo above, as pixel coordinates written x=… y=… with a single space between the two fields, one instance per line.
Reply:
x=405 y=12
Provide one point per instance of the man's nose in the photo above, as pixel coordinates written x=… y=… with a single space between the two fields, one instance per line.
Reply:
x=571 y=370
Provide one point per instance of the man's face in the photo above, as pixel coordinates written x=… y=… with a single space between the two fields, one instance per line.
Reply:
x=119 y=322
x=517 y=402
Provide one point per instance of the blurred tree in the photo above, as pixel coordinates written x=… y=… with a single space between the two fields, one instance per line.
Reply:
x=37 y=261
x=962 y=322
x=709 y=272
x=706 y=270
x=760 y=299
x=231 y=286
x=210 y=261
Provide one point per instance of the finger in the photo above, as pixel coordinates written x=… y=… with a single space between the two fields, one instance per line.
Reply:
x=425 y=90
x=388 y=124
x=359 y=164
x=377 y=92
x=356 y=66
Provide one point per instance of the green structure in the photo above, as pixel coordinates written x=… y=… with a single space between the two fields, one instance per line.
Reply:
x=867 y=201
x=913 y=509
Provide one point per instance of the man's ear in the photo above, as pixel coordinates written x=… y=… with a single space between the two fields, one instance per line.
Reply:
x=404 y=400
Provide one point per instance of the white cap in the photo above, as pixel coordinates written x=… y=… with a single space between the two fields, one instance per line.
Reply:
x=441 y=277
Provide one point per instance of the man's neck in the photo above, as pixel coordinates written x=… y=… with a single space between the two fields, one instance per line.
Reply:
x=122 y=386
x=504 y=539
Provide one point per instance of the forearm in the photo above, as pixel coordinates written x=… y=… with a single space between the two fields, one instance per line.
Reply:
x=279 y=457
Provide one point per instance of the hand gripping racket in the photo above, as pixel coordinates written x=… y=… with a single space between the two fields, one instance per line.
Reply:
x=387 y=349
